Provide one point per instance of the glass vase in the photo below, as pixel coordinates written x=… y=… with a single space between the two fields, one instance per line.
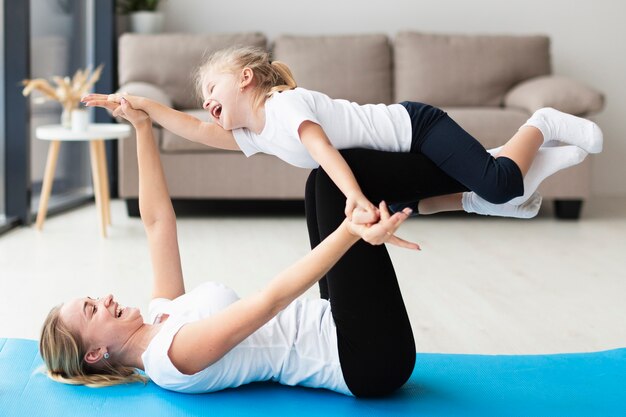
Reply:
x=66 y=117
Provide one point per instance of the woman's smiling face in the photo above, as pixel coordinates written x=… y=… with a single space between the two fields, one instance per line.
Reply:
x=101 y=322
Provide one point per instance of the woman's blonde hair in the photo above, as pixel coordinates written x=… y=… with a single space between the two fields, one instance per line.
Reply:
x=63 y=355
x=270 y=76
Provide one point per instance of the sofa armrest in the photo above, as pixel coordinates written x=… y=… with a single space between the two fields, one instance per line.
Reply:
x=562 y=93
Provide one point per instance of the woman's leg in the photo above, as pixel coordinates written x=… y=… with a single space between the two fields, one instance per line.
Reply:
x=375 y=340
x=311 y=223
x=396 y=176
x=374 y=336
x=389 y=176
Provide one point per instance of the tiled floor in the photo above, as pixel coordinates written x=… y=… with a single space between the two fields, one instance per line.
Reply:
x=480 y=285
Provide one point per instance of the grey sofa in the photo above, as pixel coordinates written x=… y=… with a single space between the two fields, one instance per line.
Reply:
x=488 y=84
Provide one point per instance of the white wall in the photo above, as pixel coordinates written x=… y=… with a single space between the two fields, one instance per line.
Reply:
x=588 y=41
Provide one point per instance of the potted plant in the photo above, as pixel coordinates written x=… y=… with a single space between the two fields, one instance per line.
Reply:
x=144 y=16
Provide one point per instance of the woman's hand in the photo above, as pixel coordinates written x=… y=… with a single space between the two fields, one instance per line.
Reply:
x=359 y=209
x=383 y=231
x=134 y=116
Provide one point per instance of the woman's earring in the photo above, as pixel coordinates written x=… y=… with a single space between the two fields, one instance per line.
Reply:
x=106 y=355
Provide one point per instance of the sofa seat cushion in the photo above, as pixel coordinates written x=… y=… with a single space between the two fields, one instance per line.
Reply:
x=351 y=67
x=169 y=60
x=465 y=70
x=492 y=126
x=172 y=143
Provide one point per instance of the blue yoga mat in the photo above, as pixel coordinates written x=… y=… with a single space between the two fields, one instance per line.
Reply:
x=580 y=384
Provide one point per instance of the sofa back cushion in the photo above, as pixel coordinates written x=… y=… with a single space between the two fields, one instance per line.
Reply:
x=351 y=67
x=170 y=60
x=465 y=70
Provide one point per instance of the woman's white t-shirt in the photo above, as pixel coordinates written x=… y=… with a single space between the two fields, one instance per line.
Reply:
x=297 y=347
x=347 y=125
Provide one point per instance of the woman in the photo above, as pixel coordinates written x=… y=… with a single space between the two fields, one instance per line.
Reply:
x=207 y=340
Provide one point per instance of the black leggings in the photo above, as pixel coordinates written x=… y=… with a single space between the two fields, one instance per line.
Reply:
x=460 y=155
x=375 y=340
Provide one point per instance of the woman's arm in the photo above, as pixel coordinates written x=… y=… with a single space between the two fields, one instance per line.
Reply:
x=180 y=123
x=316 y=142
x=156 y=208
x=202 y=343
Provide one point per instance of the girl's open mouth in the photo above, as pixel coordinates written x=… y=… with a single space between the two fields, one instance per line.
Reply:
x=216 y=111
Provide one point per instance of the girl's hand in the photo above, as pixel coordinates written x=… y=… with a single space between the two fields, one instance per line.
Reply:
x=125 y=110
x=383 y=231
x=360 y=211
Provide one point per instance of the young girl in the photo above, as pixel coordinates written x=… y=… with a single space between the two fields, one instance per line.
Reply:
x=256 y=107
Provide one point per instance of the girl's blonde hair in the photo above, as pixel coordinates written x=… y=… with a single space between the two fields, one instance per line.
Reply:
x=270 y=76
x=63 y=355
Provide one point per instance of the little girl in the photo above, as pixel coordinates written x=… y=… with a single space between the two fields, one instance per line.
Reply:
x=256 y=107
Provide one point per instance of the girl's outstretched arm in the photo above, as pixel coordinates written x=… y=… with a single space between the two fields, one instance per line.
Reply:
x=202 y=343
x=180 y=123
x=155 y=206
x=315 y=140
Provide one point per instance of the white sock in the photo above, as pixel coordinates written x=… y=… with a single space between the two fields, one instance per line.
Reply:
x=549 y=160
x=556 y=125
x=472 y=203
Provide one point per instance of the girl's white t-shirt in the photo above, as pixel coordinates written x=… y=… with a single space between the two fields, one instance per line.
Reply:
x=347 y=125
x=297 y=347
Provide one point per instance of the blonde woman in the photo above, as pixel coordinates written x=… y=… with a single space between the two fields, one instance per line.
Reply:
x=209 y=339
x=255 y=106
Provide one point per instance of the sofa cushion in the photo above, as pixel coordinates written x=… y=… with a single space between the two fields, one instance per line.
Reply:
x=151 y=91
x=492 y=126
x=562 y=93
x=169 y=60
x=465 y=70
x=351 y=67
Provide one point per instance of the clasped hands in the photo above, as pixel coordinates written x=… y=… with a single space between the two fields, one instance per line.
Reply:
x=376 y=225
x=120 y=105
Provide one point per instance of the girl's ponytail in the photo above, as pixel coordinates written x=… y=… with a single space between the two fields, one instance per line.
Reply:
x=284 y=78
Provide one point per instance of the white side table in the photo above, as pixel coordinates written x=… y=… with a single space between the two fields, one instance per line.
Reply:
x=96 y=134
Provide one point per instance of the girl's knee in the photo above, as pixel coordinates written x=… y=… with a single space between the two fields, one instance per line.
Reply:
x=507 y=180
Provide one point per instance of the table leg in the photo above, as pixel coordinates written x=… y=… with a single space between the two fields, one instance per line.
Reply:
x=104 y=176
x=97 y=184
x=48 y=179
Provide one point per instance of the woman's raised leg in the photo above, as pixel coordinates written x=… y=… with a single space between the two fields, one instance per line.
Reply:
x=374 y=336
x=376 y=344
x=389 y=176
